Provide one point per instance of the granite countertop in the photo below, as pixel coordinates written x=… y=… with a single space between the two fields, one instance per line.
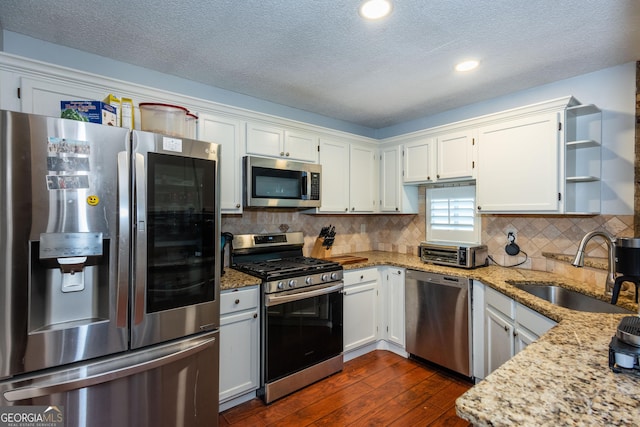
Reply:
x=233 y=279
x=562 y=379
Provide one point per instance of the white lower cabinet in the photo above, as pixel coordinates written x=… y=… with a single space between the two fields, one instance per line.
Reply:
x=360 y=293
x=392 y=305
x=239 y=342
x=508 y=327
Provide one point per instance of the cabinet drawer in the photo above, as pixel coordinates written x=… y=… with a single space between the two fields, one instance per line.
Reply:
x=360 y=276
x=532 y=320
x=501 y=302
x=239 y=299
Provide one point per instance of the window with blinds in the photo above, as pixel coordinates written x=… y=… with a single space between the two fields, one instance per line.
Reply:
x=451 y=214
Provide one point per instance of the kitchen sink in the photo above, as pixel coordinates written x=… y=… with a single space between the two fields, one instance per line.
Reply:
x=567 y=298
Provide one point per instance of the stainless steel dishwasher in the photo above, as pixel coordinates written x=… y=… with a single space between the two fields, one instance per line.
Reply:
x=438 y=316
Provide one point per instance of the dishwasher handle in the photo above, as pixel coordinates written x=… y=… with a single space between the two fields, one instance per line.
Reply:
x=437 y=279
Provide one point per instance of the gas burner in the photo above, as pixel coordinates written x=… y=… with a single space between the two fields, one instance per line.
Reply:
x=277 y=259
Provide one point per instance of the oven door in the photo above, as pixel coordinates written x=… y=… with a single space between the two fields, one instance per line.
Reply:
x=301 y=329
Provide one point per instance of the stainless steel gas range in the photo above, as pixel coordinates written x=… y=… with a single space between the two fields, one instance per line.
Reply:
x=302 y=311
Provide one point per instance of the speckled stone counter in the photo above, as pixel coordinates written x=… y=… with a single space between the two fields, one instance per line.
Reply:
x=563 y=379
x=232 y=279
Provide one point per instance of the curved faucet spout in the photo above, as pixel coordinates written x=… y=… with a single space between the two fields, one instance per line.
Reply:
x=611 y=242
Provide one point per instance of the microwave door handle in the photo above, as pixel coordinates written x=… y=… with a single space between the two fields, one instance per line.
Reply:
x=140 y=261
x=304 y=186
x=122 y=282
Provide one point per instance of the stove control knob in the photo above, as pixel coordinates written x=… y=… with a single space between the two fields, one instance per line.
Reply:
x=292 y=283
x=325 y=277
x=280 y=285
x=308 y=281
x=334 y=276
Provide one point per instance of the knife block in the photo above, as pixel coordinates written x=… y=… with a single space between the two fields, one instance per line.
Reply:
x=320 y=251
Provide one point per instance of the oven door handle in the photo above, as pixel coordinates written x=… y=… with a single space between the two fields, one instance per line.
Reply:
x=275 y=299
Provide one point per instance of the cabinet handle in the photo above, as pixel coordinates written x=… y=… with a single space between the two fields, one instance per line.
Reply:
x=255 y=315
x=346 y=209
x=506 y=328
x=282 y=153
x=515 y=334
x=287 y=154
x=428 y=178
x=353 y=208
x=237 y=301
x=361 y=277
x=237 y=205
x=479 y=208
x=438 y=176
x=397 y=209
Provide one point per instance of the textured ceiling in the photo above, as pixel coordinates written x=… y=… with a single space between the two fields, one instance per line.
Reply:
x=320 y=56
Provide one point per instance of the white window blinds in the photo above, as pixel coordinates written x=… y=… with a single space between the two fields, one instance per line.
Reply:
x=451 y=214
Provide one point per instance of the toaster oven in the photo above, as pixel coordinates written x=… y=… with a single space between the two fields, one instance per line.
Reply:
x=463 y=256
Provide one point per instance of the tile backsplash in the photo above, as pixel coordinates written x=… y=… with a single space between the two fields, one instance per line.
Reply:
x=403 y=233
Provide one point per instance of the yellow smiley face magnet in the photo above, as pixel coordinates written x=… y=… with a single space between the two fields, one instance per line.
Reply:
x=93 y=200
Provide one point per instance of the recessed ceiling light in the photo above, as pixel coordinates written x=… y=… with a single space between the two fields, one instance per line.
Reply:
x=467 y=65
x=375 y=9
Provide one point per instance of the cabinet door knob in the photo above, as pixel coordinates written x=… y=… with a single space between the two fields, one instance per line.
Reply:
x=428 y=178
x=438 y=176
x=282 y=153
x=506 y=329
x=255 y=315
x=346 y=209
x=353 y=208
x=397 y=209
x=287 y=154
x=479 y=208
x=361 y=277
x=237 y=301
x=237 y=205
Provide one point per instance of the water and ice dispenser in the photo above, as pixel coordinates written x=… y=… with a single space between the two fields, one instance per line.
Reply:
x=66 y=279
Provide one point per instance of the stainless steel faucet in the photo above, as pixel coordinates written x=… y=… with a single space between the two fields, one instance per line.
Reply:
x=610 y=241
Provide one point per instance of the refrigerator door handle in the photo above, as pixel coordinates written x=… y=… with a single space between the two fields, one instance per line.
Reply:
x=140 y=261
x=122 y=283
x=49 y=388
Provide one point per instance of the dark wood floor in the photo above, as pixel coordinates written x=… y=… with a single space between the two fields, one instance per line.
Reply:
x=377 y=389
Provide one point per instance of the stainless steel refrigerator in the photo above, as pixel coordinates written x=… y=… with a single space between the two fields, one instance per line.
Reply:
x=109 y=273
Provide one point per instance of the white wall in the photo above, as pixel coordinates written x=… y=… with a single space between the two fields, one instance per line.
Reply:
x=612 y=89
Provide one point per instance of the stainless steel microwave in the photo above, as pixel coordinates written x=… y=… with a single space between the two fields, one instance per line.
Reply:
x=280 y=183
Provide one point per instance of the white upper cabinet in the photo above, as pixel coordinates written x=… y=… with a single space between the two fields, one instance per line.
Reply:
x=349 y=177
x=228 y=133
x=394 y=195
x=275 y=141
x=519 y=165
x=363 y=185
x=334 y=185
x=454 y=155
x=544 y=158
x=43 y=97
x=418 y=156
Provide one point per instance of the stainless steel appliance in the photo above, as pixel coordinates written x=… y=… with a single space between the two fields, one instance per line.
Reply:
x=438 y=319
x=464 y=256
x=302 y=311
x=109 y=261
x=281 y=183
